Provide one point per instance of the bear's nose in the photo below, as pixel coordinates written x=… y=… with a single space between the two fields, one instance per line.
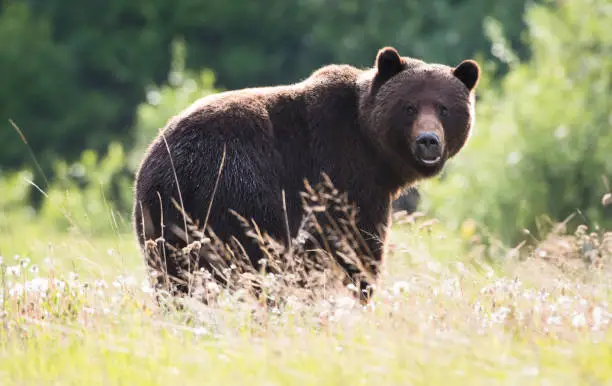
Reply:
x=428 y=147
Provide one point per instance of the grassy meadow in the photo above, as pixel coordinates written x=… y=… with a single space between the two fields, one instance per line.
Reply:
x=77 y=310
x=484 y=288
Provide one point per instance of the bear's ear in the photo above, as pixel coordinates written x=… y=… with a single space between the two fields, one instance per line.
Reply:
x=388 y=62
x=468 y=72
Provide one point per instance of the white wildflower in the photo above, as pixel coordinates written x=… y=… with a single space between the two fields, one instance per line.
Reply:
x=38 y=285
x=213 y=288
x=500 y=315
x=145 y=287
x=13 y=270
x=400 y=287
x=130 y=281
x=100 y=284
x=345 y=302
x=598 y=317
x=452 y=287
x=564 y=301
x=88 y=310
x=16 y=290
x=579 y=320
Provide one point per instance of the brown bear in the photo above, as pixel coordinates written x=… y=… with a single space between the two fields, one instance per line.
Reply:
x=372 y=132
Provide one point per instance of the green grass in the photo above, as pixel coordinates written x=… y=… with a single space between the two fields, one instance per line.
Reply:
x=440 y=317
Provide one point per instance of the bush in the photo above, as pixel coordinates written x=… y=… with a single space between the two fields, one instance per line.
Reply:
x=13 y=208
x=183 y=88
x=542 y=143
x=93 y=194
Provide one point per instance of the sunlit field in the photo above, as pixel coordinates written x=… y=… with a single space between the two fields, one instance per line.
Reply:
x=77 y=309
x=488 y=285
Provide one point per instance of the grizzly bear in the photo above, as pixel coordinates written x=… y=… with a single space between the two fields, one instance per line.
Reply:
x=372 y=132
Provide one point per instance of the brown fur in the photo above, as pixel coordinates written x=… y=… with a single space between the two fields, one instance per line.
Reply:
x=353 y=125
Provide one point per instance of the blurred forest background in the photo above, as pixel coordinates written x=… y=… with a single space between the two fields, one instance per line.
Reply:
x=90 y=85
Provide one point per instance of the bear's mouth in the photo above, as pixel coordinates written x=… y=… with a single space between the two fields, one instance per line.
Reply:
x=428 y=166
x=430 y=162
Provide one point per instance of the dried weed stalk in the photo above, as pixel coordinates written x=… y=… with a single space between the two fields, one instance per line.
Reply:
x=328 y=254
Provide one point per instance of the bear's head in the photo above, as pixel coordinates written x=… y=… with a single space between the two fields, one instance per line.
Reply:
x=418 y=114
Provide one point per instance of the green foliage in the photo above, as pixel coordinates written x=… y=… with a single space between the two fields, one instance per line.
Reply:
x=438 y=30
x=542 y=142
x=72 y=76
x=182 y=88
x=92 y=194
x=76 y=78
x=14 y=187
x=32 y=68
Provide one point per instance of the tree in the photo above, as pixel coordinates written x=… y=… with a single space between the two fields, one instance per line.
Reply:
x=541 y=147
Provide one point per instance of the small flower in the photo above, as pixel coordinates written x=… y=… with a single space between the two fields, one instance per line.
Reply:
x=38 y=285
x=100 y=284
x=145 y=287
x=501 y=315
x=16 y=290
x=212 y=287
x=24 y=262
x=599 y=316
x=400 y=287
x=579 y=320
x=34 y=268
x=13 y=270
x=564 y=301
x=345 y=302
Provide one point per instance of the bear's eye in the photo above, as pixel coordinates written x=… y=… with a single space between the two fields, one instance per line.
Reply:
x=443 y=110
x=411 y=109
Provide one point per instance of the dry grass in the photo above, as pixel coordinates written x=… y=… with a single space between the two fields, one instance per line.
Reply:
x=440 y=315
x=329 y=254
